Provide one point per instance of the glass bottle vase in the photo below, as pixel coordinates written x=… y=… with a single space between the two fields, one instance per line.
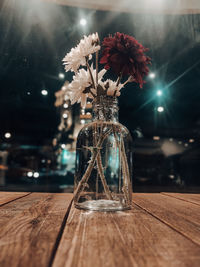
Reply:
x=103 y=161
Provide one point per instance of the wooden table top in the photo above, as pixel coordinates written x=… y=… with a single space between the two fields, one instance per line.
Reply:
x=44 y=229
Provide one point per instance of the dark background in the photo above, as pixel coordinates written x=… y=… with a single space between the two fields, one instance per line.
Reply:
x=35 y=36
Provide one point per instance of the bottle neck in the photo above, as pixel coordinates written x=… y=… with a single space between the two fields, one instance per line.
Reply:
x=105 y=108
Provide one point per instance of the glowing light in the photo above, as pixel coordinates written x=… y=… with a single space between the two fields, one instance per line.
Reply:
x=63 y=146
x=191 y=140
x=159 y=92
x=36 y=174
x=171 y=139
x=160 y=109
x=63 y=88
x=82 y=121
x=28 y=93
x=152 y=75
x=156 y=137
x=29 y=174
x=170 y=148
x=7 y=135
x=65 y=105
x=180 y=142
x=61 y=75
x=83 y=22
x=44 y=92
x=65 y=115
x=186 y=145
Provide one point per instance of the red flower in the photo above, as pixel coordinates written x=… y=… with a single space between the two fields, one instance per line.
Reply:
x=125 y=55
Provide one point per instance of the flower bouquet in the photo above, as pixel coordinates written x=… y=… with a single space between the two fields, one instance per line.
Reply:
x=103 y=156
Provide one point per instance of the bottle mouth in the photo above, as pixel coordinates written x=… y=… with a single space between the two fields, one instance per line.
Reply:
x=105 y=100
x=105 y=108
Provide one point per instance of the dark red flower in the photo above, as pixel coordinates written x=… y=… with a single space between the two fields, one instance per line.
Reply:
x=125 y=56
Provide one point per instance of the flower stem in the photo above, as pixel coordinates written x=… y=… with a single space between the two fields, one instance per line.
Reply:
x=103 y=179
x=128 y=80
x=92 y=94
x=126 y=178
x=119 y=78
x=125 y=168
x=97 y=55
x=81 y=185
x=100 y=166
x=88 y=66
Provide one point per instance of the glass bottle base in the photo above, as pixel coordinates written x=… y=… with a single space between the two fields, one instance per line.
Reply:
x=102 y=205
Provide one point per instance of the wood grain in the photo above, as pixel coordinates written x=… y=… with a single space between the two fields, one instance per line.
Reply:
x=6 y=197
x=30 y=227
x=193 y=198
x=131 y=238
x=181 y=215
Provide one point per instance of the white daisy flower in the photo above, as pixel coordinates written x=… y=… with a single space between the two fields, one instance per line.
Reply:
x=77 y=56
x=111 y=87
x=82 y=86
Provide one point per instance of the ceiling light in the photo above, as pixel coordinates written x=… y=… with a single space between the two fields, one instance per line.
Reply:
x=44 y=92
x=152 y=75
x=160 y=109
x=159 y=93
x=83 y=22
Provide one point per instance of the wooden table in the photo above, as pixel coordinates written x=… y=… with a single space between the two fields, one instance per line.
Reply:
x=44 y=229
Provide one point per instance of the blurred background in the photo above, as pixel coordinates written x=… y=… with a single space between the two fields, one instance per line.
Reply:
x=39 y=127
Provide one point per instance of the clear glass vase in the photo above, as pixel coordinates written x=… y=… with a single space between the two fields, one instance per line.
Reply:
x=103 y=161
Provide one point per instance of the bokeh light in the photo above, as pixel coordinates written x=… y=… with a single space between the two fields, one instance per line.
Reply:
x=160 y=109
x=44 y=92
x=7 y=135
x=83 y=22
x=159 y=93
x=152 y=75
x=61 y=75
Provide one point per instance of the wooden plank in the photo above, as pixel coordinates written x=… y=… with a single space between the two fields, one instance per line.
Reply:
x=193 y=198
x=181 y=215
x=30 y=229
x=6 y=197
x=131 y=238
